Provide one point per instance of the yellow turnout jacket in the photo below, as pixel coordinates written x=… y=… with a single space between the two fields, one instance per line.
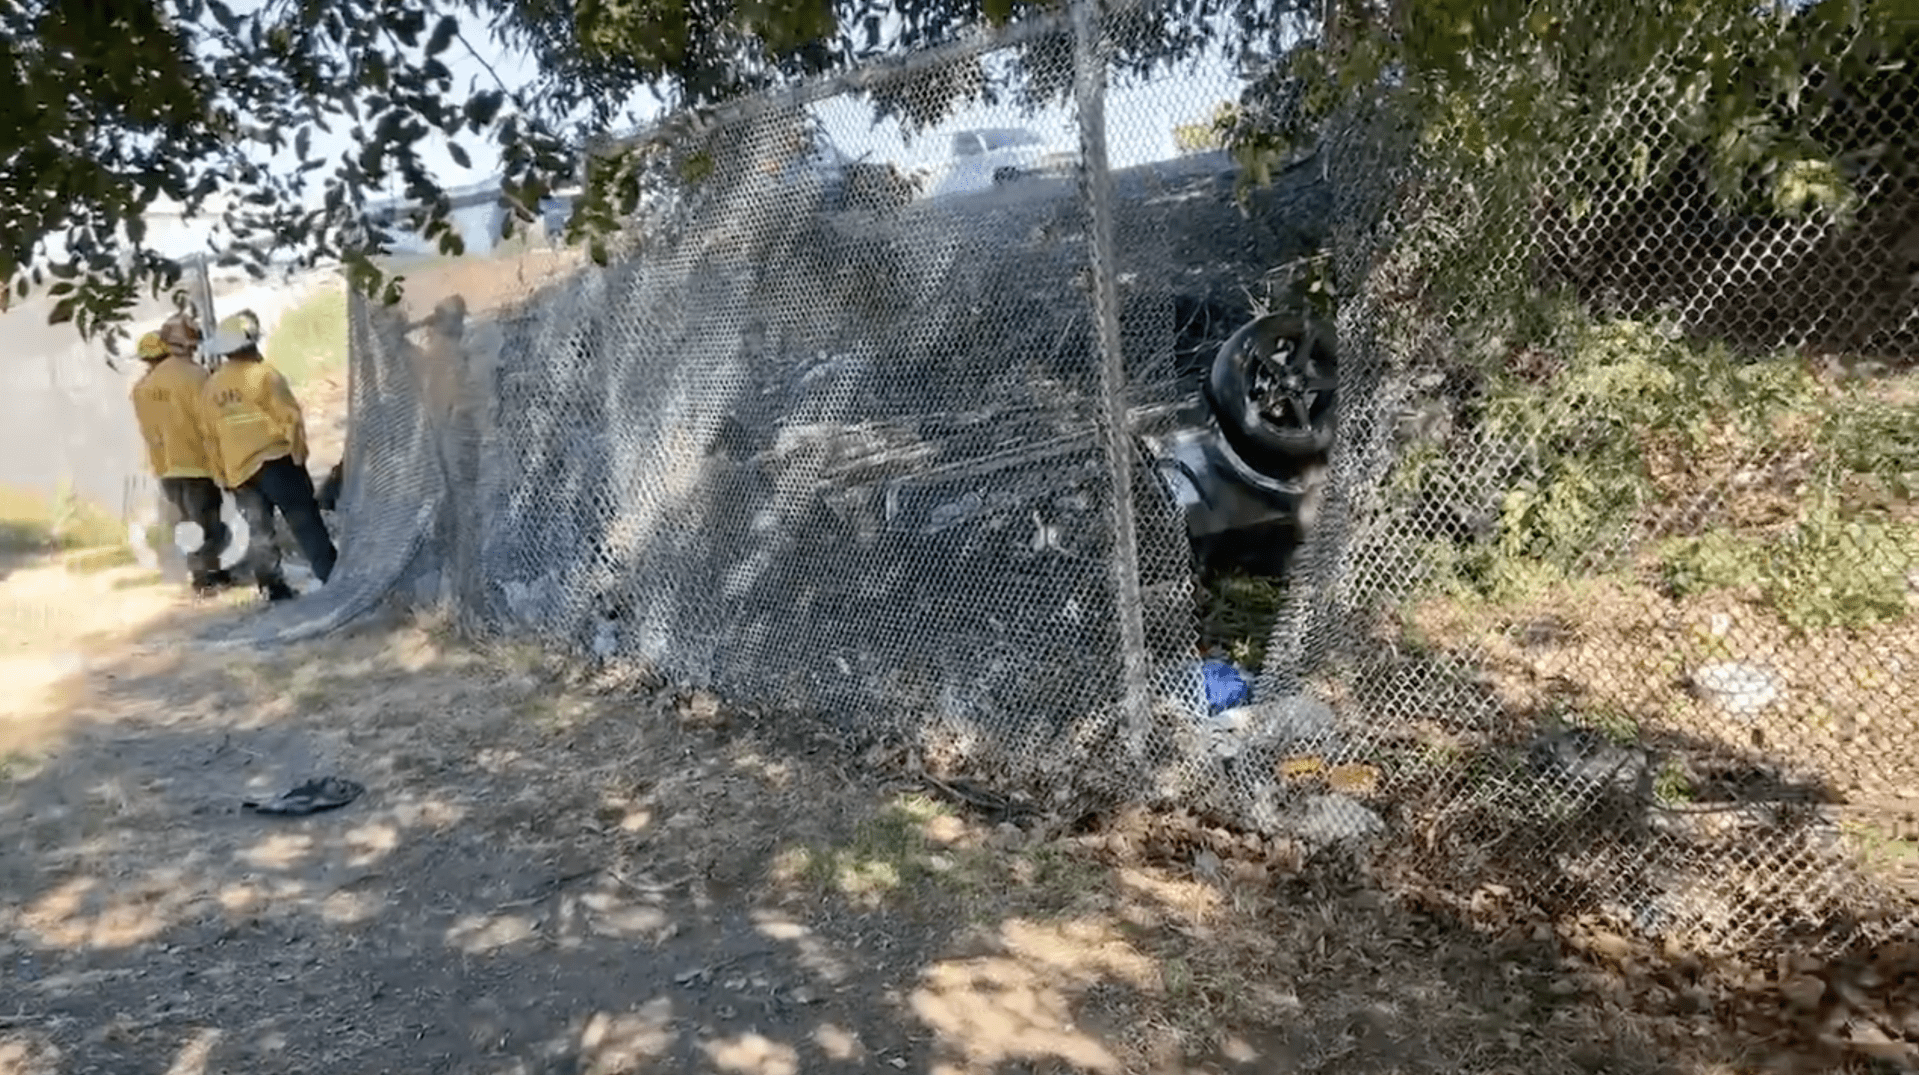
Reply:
x=167 y=404
x=254 y=417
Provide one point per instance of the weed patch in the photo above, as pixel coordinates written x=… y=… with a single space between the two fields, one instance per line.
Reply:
x=1236 y=614
x=1618 y=448
x=310 y=340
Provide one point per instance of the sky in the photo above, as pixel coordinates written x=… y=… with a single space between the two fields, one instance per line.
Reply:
x=1140 y=122
x=1140 y=119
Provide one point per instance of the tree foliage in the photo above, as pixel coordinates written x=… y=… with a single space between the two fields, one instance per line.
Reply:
x=1206 y=135
x=1523 y=106
x=122 y=103
x=125 y=103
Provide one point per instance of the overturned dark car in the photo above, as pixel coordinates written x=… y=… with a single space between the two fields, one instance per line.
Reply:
x=1231 y=406
x=1245 y=460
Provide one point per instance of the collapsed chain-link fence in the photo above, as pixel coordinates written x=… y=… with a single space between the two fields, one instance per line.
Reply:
x=1605 y=600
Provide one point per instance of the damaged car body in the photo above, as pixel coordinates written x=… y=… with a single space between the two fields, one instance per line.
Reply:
x=1235 y=429
x=1245 y=458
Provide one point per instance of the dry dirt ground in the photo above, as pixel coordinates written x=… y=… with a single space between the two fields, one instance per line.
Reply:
x=551 y=874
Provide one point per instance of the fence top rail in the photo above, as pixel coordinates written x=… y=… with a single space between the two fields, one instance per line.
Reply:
x=693 y=122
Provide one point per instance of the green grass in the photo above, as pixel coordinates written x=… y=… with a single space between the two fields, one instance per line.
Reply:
x=32 y=522
x=892 y=858
x=1237 y=613
x=310 y=340
x=886 y=852
x=1826 y=572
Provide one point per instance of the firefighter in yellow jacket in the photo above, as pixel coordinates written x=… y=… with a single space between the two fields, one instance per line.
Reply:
x=167 y=404
x=261 y=456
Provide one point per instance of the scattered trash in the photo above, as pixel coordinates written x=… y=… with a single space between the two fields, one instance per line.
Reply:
x=326 y=793
x=1738 y=688
x=1211 y=687
x=1226 y=686
x=300 y=577
x=1354 y=779
x=1301 y=767
x=1293 y=718
x=1587 y=760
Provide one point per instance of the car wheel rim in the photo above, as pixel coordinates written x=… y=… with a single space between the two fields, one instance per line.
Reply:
x=1289 y=386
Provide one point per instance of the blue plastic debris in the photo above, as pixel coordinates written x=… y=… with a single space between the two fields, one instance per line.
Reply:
x=1226 y=686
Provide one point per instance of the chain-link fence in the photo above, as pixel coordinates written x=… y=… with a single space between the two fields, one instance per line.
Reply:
x=1577 y=550
x=1629 y=577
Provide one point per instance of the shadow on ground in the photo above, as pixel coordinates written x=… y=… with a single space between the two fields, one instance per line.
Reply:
x=20 y=545
x=544 y=876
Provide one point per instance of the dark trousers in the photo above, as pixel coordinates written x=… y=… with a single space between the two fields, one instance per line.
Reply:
x=197 y=501
x=329 y=494
x=284 y=487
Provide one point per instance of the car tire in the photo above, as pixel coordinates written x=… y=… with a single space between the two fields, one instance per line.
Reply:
x=1235 y=390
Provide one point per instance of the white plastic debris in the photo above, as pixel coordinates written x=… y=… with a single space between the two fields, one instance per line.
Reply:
x=1292 y=718
x=1738 y=688
x=300 y=577
x=606 y=640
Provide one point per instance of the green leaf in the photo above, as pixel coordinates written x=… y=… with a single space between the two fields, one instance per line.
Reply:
x=223 y=15
x=1640 y=165
x=443 y=34
x=483 y=107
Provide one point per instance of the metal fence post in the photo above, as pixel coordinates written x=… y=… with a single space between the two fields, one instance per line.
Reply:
x=200 y=294
x=1089 y=91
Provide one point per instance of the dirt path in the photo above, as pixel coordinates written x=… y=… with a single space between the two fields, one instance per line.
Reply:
x=544 y=877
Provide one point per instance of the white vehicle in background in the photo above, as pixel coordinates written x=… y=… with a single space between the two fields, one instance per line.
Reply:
x=991 y=157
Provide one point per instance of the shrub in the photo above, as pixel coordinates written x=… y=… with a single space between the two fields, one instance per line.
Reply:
x=1826 y=572
x=310 y=340
x=1603 y=442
